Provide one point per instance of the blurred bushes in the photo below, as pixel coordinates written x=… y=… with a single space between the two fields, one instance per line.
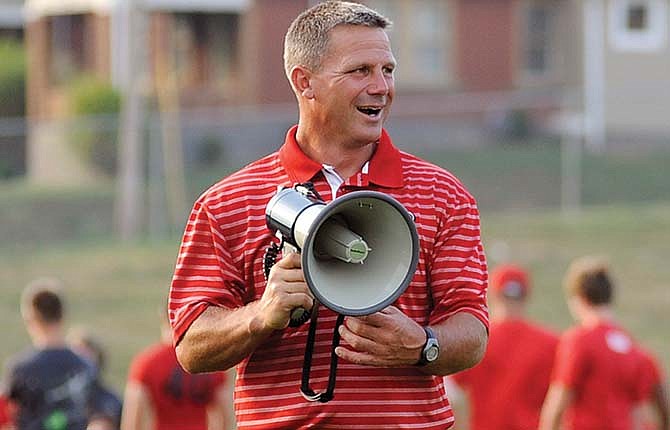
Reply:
x=32 y=215
x=97 y=104
x=12 y=104
x=12 y=78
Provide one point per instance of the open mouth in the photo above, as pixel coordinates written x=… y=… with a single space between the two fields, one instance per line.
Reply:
x=370 y=111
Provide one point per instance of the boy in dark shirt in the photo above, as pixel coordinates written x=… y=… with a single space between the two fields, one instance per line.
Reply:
x=50 y=385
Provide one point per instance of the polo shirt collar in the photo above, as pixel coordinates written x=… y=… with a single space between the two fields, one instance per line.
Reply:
x=385 y=167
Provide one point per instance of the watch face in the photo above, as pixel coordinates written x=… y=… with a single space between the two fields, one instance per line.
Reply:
x=431 y=353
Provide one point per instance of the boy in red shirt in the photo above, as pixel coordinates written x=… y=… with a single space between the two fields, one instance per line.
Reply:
x=160 y=395
x=598 y=375
x=499 y=392
x=6 y=413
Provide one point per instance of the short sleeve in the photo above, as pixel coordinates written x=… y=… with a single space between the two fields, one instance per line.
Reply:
x=650 y=376
x=571 y=361
x=458 y=273
x=205 y=273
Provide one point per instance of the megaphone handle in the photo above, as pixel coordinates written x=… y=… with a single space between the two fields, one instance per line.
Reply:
x=305 y=389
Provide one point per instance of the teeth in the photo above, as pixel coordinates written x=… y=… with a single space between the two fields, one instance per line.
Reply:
x=370 y=110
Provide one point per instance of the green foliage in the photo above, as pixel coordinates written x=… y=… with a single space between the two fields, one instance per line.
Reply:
x=12 y=78
x=95 y=133
x=114 y=288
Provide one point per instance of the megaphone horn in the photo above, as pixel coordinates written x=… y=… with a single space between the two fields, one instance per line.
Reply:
x=358 y=252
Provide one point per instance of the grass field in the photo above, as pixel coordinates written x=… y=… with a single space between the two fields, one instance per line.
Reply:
x=117 y=290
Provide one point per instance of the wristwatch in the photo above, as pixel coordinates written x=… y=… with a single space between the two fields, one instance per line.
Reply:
x=431 y=349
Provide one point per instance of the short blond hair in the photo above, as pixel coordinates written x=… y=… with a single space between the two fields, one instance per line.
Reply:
x=307 y=37
x=589 y=278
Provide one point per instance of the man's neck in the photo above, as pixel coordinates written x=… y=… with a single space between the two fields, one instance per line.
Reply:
x=48 y=337
x=508 y=311
x=597 y=315
x=347 y=159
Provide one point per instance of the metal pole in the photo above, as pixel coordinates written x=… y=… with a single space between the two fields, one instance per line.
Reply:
x=130 y=182
x=594 y=74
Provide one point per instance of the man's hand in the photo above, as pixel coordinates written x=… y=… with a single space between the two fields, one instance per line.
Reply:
x=286 y=290
x=388 y=338
x=220 y=338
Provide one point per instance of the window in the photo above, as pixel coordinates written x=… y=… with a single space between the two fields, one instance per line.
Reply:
x=67 y=47
x=638 y=25
x=539 y=39
x=205 y=45
x=419 y=39
x=637 y=18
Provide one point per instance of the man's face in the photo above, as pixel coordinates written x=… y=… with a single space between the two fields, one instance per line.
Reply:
x=354 y=88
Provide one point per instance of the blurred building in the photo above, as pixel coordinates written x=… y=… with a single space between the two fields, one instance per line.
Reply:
x=467 y=67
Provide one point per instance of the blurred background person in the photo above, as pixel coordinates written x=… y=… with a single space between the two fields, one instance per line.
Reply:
x=160 y=395
x=106 y=407
x=653 y=414
x=50 y=385
x=598 y=378
x=506 y=390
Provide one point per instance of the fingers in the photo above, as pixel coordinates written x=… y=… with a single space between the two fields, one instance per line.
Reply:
x=288 y=269
x=290 y=261
x=365 y=351
x=361 y=358
x=285 y=290
x=358 y=341
x=381 y=318
x=387 y=338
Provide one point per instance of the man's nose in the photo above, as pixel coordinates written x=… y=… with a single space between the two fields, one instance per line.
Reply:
x=380 y=83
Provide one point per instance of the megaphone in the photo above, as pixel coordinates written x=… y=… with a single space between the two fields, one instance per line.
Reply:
x=358 y=254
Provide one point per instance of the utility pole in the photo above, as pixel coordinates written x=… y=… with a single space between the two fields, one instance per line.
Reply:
x=167 y=92
x=594 y=74
x=130 y=179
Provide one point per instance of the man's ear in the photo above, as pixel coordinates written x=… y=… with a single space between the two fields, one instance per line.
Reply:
x=302 y=82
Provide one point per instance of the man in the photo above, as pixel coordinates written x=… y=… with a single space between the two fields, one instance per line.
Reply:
x=506 y=390
x=597 y=379
x=160 y=395
x=50 y=385
x=339 y=63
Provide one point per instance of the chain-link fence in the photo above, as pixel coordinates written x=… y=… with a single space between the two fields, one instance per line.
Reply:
x=508 y=164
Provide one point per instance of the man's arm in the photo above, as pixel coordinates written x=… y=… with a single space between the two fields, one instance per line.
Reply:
x=220 y=338
x=138 y=412
x=220 y=414
x=660 y=401
x=391 y=339
x=557 y=401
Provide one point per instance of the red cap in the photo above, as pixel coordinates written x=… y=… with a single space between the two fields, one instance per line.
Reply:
x=510 y=281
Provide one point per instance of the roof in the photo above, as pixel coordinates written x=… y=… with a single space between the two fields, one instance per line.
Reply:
x=38 y=8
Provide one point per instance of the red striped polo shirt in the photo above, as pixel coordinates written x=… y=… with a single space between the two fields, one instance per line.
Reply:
x=220 y=263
